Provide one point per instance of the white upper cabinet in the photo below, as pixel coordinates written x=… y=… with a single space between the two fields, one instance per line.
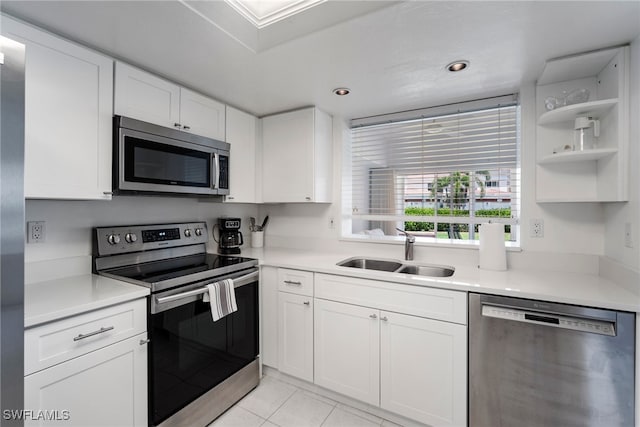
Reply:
x=201 y=115
x=594 y=87
x=143 y=96
x=297 y=157
x=241 y=135
x=68 y=116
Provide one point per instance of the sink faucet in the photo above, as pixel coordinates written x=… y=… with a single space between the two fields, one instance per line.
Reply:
x=408 y=244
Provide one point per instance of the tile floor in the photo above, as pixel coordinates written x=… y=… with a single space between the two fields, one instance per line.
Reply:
x=277 y=403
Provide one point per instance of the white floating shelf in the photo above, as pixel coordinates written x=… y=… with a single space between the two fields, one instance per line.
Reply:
x=577 y=200
x=577 y=156
x=570 y=112
x=577 y=66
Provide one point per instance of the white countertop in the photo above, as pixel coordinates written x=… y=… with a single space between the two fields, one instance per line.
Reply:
x=55 y=299
x=564 y=287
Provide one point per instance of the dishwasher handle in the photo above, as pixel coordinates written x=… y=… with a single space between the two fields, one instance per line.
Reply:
x=574 y=323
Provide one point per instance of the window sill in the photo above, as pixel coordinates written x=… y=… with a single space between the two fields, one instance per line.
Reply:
x=427 y=242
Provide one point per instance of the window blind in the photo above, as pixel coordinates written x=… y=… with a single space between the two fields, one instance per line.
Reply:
x=437 y=175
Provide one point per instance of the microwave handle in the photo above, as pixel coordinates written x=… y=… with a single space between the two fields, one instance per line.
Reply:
x=216 y=162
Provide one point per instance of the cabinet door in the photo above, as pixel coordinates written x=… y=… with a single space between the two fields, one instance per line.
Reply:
x=145 y=97
x=201 y=115
x=241 y=134
x=288 y=167
x=423 y=369
x=68 y=116
x=107 y=387
x=295 y=335
x=347 y=353
x=269 y=316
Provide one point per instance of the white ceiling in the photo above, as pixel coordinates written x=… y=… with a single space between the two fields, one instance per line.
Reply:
x=391 y=54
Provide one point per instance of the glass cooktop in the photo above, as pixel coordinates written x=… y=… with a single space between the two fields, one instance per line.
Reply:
x=182 y=267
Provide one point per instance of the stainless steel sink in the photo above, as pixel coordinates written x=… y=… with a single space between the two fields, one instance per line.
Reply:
x=397 y=267
x=371 y=264
x=427 y=270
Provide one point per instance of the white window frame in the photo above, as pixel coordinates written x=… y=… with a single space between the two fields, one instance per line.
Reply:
x=347 y=202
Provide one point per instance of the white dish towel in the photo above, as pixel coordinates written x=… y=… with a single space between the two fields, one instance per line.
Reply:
x=222 y=296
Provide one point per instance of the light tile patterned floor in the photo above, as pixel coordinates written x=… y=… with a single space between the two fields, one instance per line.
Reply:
x=278 y=404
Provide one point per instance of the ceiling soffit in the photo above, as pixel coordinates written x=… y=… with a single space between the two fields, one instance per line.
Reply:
x=277 y=22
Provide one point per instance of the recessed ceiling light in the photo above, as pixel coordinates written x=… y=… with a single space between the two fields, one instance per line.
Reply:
x=342 y=91
x=456 y=66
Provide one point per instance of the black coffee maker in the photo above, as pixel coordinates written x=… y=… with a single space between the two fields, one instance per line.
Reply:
x=230 y=236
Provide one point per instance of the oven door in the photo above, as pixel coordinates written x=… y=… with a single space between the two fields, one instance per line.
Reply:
x=190 y=354
x=154 y=163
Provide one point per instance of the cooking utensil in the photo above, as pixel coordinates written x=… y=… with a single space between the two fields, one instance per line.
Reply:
x=264 y=223
x=252 y=224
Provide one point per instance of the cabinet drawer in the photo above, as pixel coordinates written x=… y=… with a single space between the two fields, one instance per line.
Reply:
x=432 y=303
x=56 y=342
x=295 y=281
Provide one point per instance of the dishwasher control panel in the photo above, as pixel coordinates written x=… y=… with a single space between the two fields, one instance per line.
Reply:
x=550 y=319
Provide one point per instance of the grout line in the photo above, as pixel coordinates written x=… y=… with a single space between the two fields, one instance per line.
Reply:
x=285 y=401
x=328 y=415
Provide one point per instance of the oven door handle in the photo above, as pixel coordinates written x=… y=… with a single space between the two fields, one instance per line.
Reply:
x=240 y=281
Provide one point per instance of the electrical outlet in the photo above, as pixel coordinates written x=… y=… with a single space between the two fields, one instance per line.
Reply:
x=628 y=237
x=536 y=228
x=332 y=223
x=35 y=232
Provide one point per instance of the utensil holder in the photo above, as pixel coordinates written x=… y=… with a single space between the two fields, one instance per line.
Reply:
x=257 y=239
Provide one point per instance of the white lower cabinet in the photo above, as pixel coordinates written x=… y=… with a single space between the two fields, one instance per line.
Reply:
x=269 y=316
x=347 y=357
x=89 y=369
x=295 y=335
x=107 y=387
x=423 y=369
x=412 y=365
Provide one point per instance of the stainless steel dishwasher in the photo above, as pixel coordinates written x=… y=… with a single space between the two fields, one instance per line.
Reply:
x=534 y=363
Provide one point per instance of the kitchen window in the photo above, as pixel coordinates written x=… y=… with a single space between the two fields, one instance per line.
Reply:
x=437 y=173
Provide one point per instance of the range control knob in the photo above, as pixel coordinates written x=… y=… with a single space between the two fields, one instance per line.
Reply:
x=130 y=237
x=187 y=232
x=113 y=239
x=198 y=231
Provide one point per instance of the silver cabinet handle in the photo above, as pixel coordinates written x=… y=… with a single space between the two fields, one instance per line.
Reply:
x=384 y=318
x=143 y=342
x=373 y=316
x=186 y=127
x=307 y=198
x=230 y=197
x=289 y=282
x=306 y=303
x=177 y=125
x=107 y=193
x=90 y=334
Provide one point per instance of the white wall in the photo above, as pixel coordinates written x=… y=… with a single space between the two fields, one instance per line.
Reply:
x=572 y=229
x=617 y=214
x=69 y=223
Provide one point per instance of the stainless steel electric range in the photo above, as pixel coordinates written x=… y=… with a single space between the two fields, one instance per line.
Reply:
x=197 y=368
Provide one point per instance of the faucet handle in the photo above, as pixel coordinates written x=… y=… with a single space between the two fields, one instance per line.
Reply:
x=410 y=237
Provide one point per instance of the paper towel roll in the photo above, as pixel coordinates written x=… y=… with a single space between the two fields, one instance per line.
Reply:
x=492 y=254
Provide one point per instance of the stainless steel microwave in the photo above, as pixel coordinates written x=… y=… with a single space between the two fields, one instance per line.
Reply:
x=151 y=159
